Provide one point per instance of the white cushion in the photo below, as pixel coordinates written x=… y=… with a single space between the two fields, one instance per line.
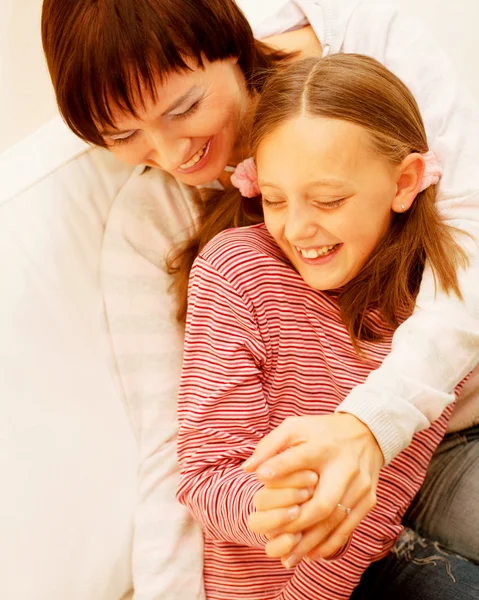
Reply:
x=68 y=457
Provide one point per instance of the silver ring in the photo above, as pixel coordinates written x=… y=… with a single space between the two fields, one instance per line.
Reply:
x=344 y=509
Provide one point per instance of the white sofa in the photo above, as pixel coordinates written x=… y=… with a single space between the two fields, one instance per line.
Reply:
x=68 y=457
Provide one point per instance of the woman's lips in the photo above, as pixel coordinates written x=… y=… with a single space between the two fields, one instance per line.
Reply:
x=201 y=163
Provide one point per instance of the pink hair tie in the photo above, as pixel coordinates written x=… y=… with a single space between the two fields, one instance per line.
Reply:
x=432 y=171
x=245 y=178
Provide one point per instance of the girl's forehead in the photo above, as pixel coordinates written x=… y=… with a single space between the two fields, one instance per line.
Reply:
x=329 y=142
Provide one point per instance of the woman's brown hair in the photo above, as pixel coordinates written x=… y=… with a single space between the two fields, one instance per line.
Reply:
x=103 y=54
x=359 y=90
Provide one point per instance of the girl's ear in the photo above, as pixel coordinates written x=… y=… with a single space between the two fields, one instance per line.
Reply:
x=410 y=176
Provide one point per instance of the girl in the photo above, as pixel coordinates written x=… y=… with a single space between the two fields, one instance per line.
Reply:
x=285 y=318
x=166 y=83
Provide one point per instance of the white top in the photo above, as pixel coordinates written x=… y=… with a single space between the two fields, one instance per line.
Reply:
x=432 y=351
x=410 y=390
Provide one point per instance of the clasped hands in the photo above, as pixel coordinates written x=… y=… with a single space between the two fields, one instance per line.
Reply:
x=313 y=469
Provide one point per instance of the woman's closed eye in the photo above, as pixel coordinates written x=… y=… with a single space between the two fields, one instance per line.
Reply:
x=188 y=112
x=122 y=139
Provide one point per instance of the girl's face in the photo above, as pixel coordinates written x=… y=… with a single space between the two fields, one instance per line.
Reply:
x=191 y=129
x=328 y=197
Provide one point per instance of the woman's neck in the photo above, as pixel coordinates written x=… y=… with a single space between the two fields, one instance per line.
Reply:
x=301 y=41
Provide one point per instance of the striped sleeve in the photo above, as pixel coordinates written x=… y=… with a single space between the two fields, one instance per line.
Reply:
x=222 y=410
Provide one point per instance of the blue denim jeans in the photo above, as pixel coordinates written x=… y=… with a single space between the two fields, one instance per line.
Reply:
x=447 y=507
x=418 y=569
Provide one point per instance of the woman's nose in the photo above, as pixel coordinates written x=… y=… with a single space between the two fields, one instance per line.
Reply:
x=167 y=152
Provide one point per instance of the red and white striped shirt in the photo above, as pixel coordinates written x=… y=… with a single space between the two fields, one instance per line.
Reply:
x=261 y=345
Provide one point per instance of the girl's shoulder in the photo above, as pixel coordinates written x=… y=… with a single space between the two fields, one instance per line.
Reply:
x=248 y=256
x=241 y=244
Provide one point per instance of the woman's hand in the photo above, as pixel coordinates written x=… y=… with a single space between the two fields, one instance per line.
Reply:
x=345 y=455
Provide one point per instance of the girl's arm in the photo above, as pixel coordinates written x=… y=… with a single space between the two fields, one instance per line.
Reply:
x=222 y=410
x=222 y=415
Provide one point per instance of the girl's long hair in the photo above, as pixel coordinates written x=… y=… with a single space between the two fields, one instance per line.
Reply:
x=359 y=90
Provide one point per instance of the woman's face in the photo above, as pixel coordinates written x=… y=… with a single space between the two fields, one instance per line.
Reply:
x=327 y=195
x=191 y=129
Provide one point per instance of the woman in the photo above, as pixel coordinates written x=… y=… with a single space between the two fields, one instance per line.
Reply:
x=126 y=77
x=285 y=317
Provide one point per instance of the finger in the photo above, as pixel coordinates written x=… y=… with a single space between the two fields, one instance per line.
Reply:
x=312 y=538
x=334 y=542
x=314 y=514
x=267 y=499
x=290 y=460
x=300 y=479
x=282 y=545
x=272 y=520
x=336 y=480
x=276 y=441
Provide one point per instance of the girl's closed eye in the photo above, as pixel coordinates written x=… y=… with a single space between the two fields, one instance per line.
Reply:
x=331 y=203
x=273 y=202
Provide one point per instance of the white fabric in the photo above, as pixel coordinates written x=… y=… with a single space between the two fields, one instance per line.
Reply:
x=439 y=344
x=68 y=458
x=142 y=224
x=152 y=212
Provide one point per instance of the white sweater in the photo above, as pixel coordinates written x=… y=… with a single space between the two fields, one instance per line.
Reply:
x=432 y=350
x=439 y=345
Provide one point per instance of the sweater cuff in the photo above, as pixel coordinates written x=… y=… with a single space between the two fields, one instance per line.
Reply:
x=391 y=420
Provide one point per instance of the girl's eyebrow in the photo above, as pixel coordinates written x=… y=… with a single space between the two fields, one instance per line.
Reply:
x=325 y=182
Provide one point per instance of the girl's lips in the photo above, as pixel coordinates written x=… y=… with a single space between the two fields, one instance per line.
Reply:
x=321 y=260
x=201 y=163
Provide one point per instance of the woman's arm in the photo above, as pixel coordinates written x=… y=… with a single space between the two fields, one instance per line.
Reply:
x=439 y=344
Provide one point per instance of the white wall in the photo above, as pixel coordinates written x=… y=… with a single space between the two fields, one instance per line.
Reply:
x=26 y=97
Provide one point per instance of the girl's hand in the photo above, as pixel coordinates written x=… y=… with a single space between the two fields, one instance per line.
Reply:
x=277 y=505
x=345 y=454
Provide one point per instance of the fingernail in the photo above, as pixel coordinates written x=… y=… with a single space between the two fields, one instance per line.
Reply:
x=265 y=473
x=293 y=512
x=291 y=561
x=247 y=463
x=304 y=495
x=296 y=538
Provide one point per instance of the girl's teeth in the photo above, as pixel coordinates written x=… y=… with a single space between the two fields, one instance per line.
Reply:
x=195 y=158
x=315 y=252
